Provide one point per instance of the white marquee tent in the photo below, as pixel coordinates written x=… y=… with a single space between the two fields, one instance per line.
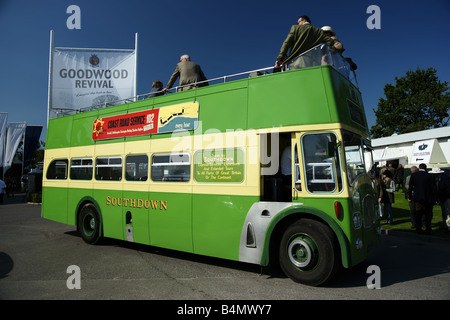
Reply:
x=431 y=147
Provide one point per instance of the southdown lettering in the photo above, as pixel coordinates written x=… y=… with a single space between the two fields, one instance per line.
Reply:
x=136 y=203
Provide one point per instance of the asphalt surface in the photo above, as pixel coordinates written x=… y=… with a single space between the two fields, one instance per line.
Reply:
x=37 y=258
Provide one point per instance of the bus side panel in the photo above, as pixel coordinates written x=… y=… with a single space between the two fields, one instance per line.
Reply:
x=138 y=208
x=74 y=196
x=349 y=107
x=82 y=136
x=217 y=224
x=326 y=205
x=54 y=204
x=170 y=219
x=223 y=111
x=111 y=202
x=298 y=94
x=58 y=133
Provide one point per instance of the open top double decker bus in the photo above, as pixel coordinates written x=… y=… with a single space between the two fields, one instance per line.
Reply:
x=199 y=171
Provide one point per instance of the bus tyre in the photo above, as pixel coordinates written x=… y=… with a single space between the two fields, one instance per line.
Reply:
x=89 y=225
x=308 y=252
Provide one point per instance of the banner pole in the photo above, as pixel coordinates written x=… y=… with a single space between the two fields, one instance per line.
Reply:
x=3 y=131
x=135 y=64
x=3 y=142
x=50 y=71
x=23 y=148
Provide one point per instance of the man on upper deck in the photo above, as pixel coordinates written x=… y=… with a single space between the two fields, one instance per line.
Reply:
x=301 y=38
x=189 y=73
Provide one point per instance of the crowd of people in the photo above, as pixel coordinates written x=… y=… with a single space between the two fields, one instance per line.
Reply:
x=9 y=186
x=423 y=190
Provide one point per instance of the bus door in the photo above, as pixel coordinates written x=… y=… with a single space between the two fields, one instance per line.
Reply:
x=286 y=184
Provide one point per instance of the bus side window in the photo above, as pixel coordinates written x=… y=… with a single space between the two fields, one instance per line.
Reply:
x=173 y=167
x=108 y=168
x=57 y=170
x=136 y=168
x=81 y=169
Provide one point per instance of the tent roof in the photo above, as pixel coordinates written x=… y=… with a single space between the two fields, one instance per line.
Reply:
x=437 y=133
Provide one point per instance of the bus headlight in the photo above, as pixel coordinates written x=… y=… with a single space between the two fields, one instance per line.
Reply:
x=357 y=220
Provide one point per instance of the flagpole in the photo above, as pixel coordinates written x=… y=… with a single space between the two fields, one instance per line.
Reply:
x=50 y=71
x=3 y=132
x=23 y=146
x=135 y=64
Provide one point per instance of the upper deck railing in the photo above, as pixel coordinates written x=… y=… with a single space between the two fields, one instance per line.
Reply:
x=316 y=56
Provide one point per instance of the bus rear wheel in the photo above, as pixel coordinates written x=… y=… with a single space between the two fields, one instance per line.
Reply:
x=89 y=224
x=308 y=252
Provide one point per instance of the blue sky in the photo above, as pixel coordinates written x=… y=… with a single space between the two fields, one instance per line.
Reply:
x=224 y=37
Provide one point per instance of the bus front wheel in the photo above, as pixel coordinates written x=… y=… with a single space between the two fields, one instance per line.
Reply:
x=308 y=252
x=89 y=224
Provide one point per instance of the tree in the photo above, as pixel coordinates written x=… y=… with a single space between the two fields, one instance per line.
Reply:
x=417 y=101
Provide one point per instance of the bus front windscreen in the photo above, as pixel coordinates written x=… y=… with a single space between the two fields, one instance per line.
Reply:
x=356 y=152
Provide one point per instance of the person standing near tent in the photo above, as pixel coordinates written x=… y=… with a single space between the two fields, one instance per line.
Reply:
x=443 y=186
x=2 y=190
x=398 y=176
x=423 y=191
x=412 y=207
x=387 y=189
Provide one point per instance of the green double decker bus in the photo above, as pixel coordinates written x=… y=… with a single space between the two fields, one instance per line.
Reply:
x=271 y=167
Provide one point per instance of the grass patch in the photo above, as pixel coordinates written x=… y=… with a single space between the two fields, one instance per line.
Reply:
x=402 y=218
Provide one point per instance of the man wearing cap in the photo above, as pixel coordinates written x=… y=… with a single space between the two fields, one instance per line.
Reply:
x=337 y=44
x=302 y=37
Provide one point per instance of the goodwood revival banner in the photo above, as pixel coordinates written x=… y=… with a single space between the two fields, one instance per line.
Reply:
x=82 y=79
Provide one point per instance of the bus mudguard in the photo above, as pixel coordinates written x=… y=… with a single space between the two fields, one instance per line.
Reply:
x=261 y=221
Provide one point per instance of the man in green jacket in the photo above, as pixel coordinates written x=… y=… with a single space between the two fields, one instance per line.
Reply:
x=189 y=73
x=301 y=38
